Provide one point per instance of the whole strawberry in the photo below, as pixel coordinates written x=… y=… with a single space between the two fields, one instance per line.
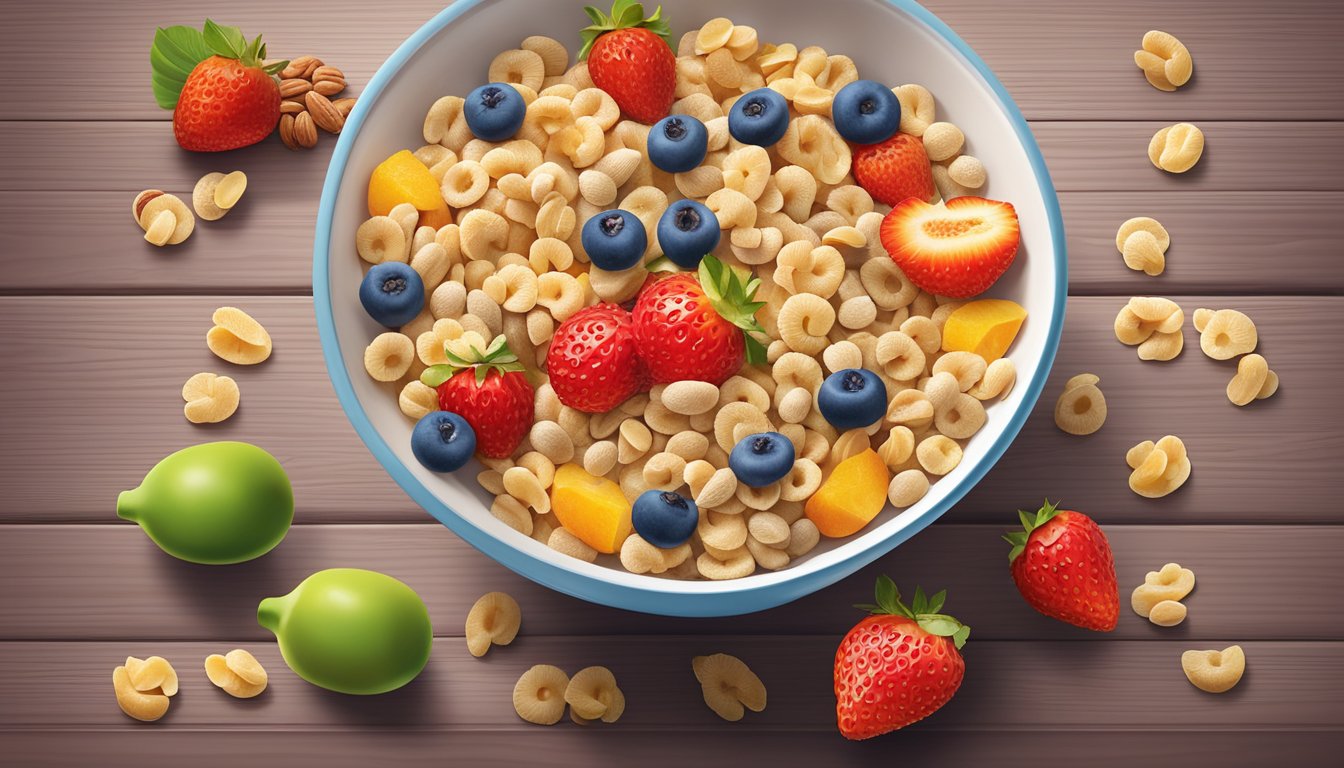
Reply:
x=489 y=389
x=592 y=360
x=894 y=170
x=230 y=99
x=631 y=59
x=698 y=326
x=1062 y=565
x=897 y=666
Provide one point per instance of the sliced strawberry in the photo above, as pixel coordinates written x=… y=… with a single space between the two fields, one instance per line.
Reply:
x=894 y=170
x=956 y=249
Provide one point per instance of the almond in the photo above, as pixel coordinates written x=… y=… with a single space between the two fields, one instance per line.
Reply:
x=302 y=66
x=323 y=113
x=344 y=106
x=305 y=130
x=329 y=87
x=292 y=106
x=141 y=200
x=287 y=131
x=325 y=74
x=294 y=87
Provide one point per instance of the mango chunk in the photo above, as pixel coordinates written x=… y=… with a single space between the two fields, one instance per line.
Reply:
x=591 y=508
x=986 y=327
x=402 y=178
x=851 y=497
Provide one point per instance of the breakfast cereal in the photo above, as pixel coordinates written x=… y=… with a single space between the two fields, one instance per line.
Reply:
x=1214 y=671
x=210 y=398
x=1176 y=148
x=494 y=619
x=1159 y=468
x=729 y=686
x=1165 y=61
x=1081 y=408
x=539 y=695
x=592 y=694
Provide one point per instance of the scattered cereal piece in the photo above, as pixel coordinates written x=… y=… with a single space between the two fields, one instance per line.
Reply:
x=141 y=200
x=243 y=664
x=539 y=695
x=592 y=694
x=1227 y=333
x=729 y=685
x=223 y=676
x=1176 y=148
x=494 y=619
x=203 y=197
x=160 y=229
x=1172 y=583
x=210 y=398
x=1143 y=242
x=238 y=338
x=152 y=674
x=1081 y=408
x=141 y=705
x=1159 y=468
x=154 y=206
x=1214 y=671
x=1252 y=380
x=1153 y=324
x=1168 y=613
x=1165 y=61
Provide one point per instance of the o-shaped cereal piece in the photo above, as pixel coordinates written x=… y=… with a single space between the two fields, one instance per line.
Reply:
x=209 y=398
x=1080 y=409
x=389 y=356
x=1214 y=671
x=804 y=321
x=539 y=695
x=938 y=454
x=1176 y=148
x=494 y=619
x=917 y=108
x=899 y=355
x=518 y=66
x=1226 y=334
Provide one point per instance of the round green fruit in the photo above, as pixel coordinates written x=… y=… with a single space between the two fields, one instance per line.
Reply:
x=351 y=631
x=214 y=503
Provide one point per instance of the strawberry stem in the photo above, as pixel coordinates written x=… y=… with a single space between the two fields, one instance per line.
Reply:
x=625 y=14
x=732 y=293
x=497 y=357
x=1030 y=522
x=924 y=610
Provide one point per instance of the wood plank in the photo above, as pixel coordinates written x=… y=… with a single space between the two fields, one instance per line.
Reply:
x=717 y=746
x=141 y=592
x=1025 y=686
x=133 y=356
x=1221 y=241
x=1082 y=156
x=1077 y=65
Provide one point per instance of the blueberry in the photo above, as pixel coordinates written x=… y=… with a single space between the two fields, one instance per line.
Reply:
x=678 y=143
x=614 y=239
x=761 y=118
x=852 y=398
x=664 y=519
x=687 y=231
x=761 y=459
x=443 y=441
x=494 y=111
x=866 y=112
x=392 y=293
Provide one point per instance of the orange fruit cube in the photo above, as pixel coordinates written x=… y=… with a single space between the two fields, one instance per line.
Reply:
x=851 y=497
x=986 y=327
x=591 y=508
x=402 y=178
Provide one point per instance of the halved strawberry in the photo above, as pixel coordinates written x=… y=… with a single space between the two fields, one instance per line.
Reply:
x=894 y=170
x=956 y=249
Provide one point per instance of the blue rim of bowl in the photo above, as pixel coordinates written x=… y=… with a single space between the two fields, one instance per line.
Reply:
x=657 y=595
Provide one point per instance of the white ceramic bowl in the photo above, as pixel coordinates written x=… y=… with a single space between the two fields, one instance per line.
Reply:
x=893 y=41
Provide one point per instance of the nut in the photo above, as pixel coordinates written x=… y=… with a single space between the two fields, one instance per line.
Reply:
x=324 y=115
x=294 y=87
x=329 y=87
x=292 y=107
x=303 y=66
x=305 y=130
x=141 y=200
x=286 y=130
x=184 y=221
x=344 y=105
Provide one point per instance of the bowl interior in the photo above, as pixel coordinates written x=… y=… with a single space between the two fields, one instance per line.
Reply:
x=893 y=42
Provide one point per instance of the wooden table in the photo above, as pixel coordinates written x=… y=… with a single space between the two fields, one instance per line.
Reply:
x=100 y=330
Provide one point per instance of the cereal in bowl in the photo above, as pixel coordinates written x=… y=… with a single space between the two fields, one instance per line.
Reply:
x=693 y=305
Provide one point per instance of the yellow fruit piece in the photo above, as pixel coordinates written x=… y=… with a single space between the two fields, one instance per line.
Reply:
x=402 y=178
x=851 y=497
x=591 y=508
x=986 y=327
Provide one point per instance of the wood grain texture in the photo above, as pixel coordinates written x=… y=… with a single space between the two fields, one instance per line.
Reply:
x=142 y=592
x=1120 y=684
x=1082 y=157
x=1222 y=242
x=139 y=352
x=1059 y=59
x=566 y=746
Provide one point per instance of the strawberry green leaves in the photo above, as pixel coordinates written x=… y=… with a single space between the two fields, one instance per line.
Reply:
x=625 y=14
x=1030 y=522
x=924 y=610
x=177 y=50
x=733 y=293
x=497 y=357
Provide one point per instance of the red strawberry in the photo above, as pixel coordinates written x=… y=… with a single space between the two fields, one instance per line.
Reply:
x=592 y=360
x=490 y=391
x=1062 y=565
x=231 y=99
x=897 y=666
x=698 y=327
x=894 y=170
x=630 y=58
x=956 y=249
